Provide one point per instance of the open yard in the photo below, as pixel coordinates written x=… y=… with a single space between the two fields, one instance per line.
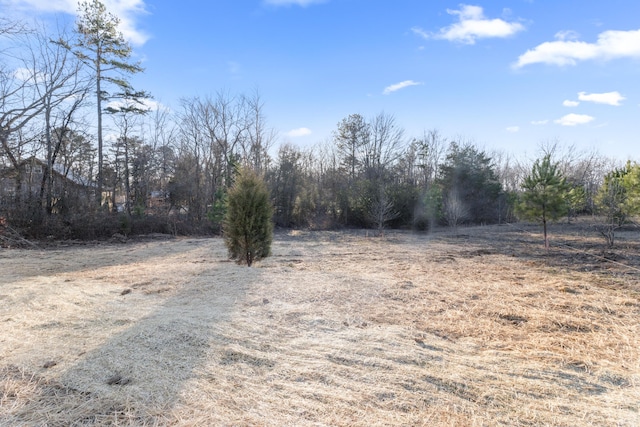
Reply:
x=479 y=327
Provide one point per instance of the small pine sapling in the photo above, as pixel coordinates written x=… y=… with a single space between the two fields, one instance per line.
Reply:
x=545 y=194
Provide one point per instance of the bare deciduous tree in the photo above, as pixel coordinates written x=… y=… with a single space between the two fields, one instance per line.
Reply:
x=216 y=135
x=383 y=147
x=381 y=210
x=260 y=139
x=41 y=83
x=456 y=211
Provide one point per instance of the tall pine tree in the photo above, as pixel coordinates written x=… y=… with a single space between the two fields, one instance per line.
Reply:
x=103 y=49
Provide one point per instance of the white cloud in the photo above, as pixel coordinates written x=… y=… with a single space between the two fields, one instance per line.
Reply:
x=153 y=105
x=567 y=35
x=473 y=25
x=610 y=45
x=126 y=10
x=513 y=129
x=23 y=74
x=295 y=133
x=574 y=119
x=609 y=98
x=303 y=3
x=395 y=87
x=569 y=103
x=539 y=122
x=111 y=137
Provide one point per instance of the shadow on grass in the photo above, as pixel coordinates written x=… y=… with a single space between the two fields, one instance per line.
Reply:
x=136 y=377
x=73 y=259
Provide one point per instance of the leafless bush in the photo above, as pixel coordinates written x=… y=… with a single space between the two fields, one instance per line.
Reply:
x=456 y=210
x=381 y=211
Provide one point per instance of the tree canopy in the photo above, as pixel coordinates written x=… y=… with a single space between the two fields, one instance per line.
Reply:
x=170 y=170
x=469 y=184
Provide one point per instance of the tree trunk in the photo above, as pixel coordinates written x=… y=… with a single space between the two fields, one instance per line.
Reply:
x=100 y=180
x=127 y=186
x=47 y=175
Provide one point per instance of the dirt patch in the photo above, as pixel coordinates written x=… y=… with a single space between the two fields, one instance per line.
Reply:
x=334 y=329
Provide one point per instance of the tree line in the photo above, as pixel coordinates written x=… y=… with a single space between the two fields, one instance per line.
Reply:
x=171 y=171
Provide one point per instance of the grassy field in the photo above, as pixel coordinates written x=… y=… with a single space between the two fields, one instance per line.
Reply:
x=478 y=327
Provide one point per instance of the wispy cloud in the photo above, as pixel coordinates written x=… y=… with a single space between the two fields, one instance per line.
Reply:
x=303 y=3
x=68 y=6
x=153 y=105
x=539 y=122
x=472 y=25
x=422 y=33
x=127 y=11
x=610 y=45
x=235 y=69
x=567 y=35
x=395 y=87
x=296 y=133
x=609 y=98
x=574 y=119
x=24 y=74
x=513 y=129
x=569 y=103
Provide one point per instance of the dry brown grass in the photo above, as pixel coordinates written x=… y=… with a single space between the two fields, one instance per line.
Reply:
x=477 y=328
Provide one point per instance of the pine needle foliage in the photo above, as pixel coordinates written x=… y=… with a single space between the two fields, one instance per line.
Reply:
x=248 y=226
x=545 y=194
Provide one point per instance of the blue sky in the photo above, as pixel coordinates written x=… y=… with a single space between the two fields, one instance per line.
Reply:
x=509 y=75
